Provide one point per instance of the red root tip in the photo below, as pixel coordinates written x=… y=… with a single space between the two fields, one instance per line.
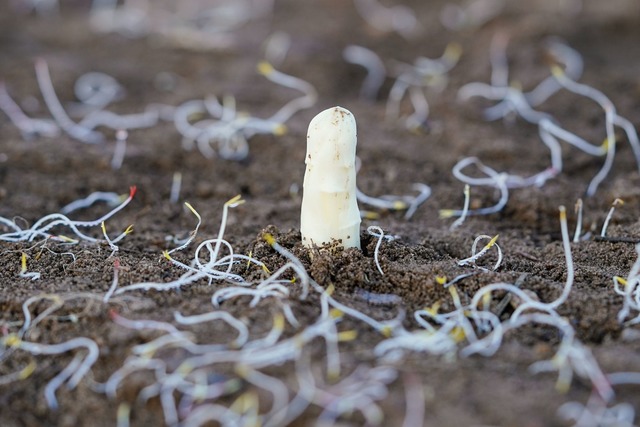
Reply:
x=113 y=314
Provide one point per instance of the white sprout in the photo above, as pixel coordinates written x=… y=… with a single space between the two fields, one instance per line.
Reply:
x=243 y=333
x=113 y=246
x=471 y=14
x=423 y=73
x=465 y=209
x=500 y=181
x=97 y=90
x=376 y=231
x=120 y=149
x=415 y=400
x=276 y=48
x=200 y=270
x=611 y=119
x=72 y=374
x=376 y=72
x=512 y=99
x=114 y=283
x=230 y=130
x=192 y=234
x=578 y=233
x=399 y=18
x=176 y=186
x=395 y=203
x=308 y=100
x=57 y=111
x=112 y=199
x=605 y=225
x=44 y=225
x=28 y=126
x=23 y=269
x=596 y=413
x=477 y=255
x=631 y=292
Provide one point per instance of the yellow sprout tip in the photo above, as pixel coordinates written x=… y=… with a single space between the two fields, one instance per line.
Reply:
x=445 y=213
x=242 y=370
x=563 y=213
x=486 y=299
x=191 y=208
x=457 y=334
x=335 y=313
x=453 y=51
x=129 y=229
x=23 y=262
x=333 y=374
x=618 y=202
x=123 y=413
x=27 y=370
x=557 y=71
x=166 y=255
x=606 y=143
x=12 y=340
x=493 y=241
x=185 y=368
x=386 y=331
x=433 y=310
x=620 y=280
x=280 y=130
x=563 y=386
x=347 y=335
x=515 y=84
x=249 y=401
x=148 y=355
x=268 y=237
x=398 y=205
x=370 y=215
x=265 y=68
x=441 y=280
x=278 y=322
x=330 y=289
x=266 y=269
x=104 y=227
x=235 y=201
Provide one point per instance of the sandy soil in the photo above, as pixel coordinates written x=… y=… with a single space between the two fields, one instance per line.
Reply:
x=39 y=176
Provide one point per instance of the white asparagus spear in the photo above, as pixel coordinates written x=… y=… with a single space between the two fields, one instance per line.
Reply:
x=329 y=206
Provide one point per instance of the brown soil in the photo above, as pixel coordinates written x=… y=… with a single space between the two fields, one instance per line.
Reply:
x=39 y=176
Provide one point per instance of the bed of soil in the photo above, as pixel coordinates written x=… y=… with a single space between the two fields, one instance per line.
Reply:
x=39 y=176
